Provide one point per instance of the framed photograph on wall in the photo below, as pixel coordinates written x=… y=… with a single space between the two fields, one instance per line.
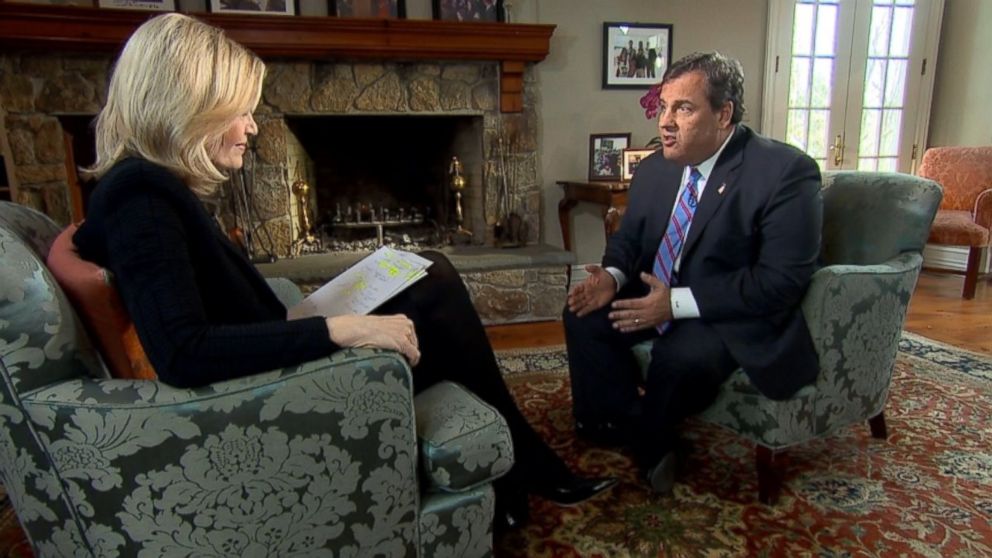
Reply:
x=635 y=55
x=260 y=7
x=89 y=3
x=392 y=9
x=468 y=10
x=605 y=151
x=160 y=5
x=631 y=159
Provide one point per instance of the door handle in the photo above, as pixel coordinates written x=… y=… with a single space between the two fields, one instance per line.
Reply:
x=838 y=149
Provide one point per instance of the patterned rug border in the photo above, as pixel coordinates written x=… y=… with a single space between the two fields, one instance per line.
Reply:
x=973 y=364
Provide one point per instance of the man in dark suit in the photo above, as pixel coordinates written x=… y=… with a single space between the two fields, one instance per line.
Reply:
x=710 y=264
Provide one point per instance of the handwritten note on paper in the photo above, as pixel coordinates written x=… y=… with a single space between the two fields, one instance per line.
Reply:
x=364 y=286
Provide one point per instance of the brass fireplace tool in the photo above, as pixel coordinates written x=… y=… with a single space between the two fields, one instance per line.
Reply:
x=456 y=177
x=306 y=241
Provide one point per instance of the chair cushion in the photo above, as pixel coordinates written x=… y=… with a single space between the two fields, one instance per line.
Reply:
x=92 y=293
x=956 y=228
x=464 y=442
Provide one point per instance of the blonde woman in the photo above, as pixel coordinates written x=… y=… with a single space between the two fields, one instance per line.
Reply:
x=178 y=117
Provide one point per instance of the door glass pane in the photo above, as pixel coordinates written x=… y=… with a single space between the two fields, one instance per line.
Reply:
x=878 y=37
x=819 y=129
x=799 y=84
x=826 y=28
x=823 y=73
x=902 y=28
x=867 y=164
x=895 y=83
x=802 y=30
x=874 y=82
x=891 y=122
x=887 y=164
x=796 y=128
x=871 y=122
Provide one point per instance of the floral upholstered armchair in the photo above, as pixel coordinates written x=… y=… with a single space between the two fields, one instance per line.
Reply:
x=335 y=457
x=875 y=226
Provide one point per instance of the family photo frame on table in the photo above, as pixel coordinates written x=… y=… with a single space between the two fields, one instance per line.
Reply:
x=390 y=9
x=631 y=159
x=158 y=5
x=257 y=7
x=635 y=55
x=468 y=10
x=605 y=152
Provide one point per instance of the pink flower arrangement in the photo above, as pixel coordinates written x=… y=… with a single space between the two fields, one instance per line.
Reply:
x=650 y=101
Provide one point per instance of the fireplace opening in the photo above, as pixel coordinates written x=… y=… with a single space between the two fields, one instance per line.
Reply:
x=384 y=178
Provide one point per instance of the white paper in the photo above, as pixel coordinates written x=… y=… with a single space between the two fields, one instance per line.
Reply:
x=364 y=286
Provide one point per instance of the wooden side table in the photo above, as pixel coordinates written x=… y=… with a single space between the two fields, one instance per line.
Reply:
x=611 y=195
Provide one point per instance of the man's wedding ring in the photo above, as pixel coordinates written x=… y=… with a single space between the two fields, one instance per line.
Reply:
x=637 y=321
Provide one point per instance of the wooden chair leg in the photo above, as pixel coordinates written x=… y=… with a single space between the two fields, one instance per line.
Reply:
x=877 y=425
x=769 y=464
x=971 y=273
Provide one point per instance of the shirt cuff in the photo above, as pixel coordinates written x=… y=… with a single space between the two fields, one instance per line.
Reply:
x=683 y=304
x=618 y=276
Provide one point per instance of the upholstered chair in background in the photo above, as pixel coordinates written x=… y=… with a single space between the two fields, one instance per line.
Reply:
x=875 y=226
x=965 y=215
x=301 y=461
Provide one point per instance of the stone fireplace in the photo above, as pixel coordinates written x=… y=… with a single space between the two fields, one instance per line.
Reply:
x=379 y=133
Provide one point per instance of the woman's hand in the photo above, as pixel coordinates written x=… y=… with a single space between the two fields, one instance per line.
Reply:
x=382 y=332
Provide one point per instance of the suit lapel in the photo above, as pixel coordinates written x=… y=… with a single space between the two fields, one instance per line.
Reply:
x=719 y=186
x=668 y=188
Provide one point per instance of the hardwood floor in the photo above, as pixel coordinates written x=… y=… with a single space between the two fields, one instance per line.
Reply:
x=936 y=311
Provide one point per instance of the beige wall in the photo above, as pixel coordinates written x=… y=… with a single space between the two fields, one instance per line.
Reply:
x=960 y=114
x=573 y=103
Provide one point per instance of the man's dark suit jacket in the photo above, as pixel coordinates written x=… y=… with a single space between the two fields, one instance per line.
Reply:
x=752 y=247
x=201 y=309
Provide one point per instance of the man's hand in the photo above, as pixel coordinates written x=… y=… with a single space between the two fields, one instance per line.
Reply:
x=650 y=310
x=594 y=293
x=382 y=332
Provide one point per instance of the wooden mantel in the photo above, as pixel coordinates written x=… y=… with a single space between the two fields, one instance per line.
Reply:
x=71 y=29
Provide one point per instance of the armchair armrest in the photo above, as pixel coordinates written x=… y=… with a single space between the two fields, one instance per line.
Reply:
x=287 y=291
x=983 y=209
x=279 y=462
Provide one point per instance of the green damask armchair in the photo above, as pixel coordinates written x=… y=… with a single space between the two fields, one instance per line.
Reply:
x=319 y=459
x=875 y=226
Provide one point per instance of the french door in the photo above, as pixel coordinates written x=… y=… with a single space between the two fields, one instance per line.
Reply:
x=850 y=81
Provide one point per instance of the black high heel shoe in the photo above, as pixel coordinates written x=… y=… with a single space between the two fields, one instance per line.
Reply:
x=572 y=490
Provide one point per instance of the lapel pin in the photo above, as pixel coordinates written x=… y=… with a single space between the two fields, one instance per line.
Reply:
x=721 y=188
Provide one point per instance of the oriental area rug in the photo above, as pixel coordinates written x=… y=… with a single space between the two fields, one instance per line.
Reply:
x=926 y=491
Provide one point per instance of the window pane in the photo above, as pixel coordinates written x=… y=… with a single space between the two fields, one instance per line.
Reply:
x=802 y=30
x=882 y=2
x=819 y=122
x=902 y=27
x=799 y=83
x=895 y=84
x=796 y=128
x=889 y=143
x=887 y=164
x=870 y=129
x=874 y=82
x=826 y=30
x=823 y=69
x=822 y=163
x=867 y=164
x=878 y=37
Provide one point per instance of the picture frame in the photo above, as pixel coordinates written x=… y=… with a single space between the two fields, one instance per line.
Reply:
x=88 y=3
x=255 y=7
x=389 y=9
x=651 y=44
x=605 y=156
x=468 y=10
x=154 y=5
x=631 y=159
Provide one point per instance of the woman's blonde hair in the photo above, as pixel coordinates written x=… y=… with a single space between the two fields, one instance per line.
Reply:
x=176 y=88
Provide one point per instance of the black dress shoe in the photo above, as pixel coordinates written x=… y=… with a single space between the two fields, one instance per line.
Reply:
x=662 y=475
x=573 y=490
